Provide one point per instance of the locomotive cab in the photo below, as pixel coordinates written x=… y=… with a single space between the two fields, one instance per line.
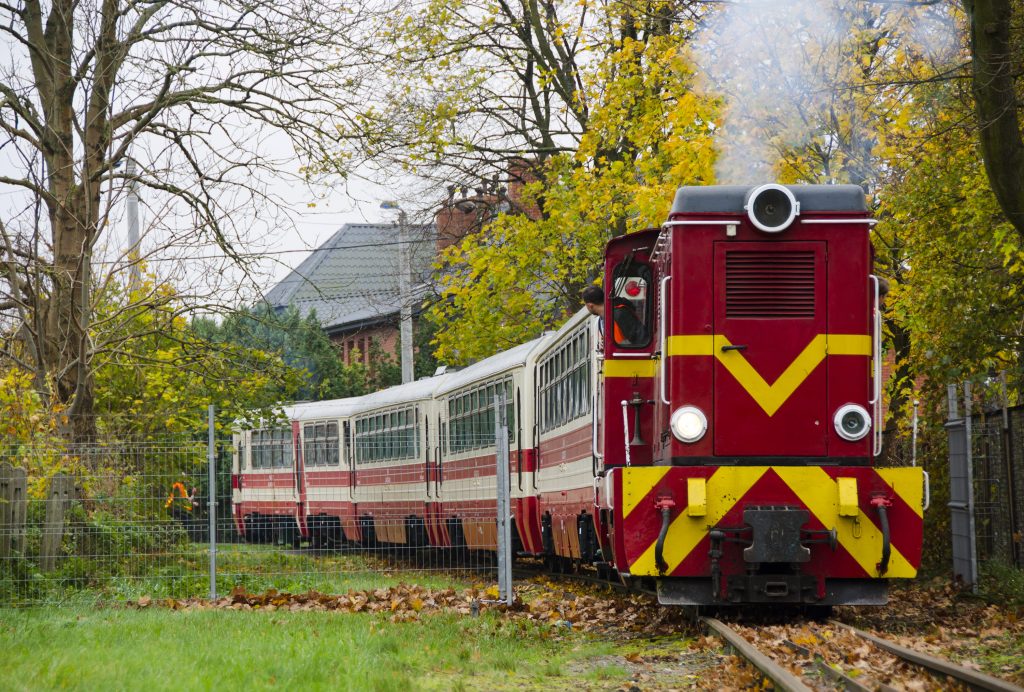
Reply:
x=760 y=417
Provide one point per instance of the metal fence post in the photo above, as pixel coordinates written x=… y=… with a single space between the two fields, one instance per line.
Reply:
x=960 y=490
x=212 y=492
x=504 y=500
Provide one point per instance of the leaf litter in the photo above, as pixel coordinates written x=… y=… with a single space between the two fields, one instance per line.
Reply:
x=929 y=617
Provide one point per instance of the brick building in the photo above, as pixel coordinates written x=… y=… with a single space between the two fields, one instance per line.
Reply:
x=351 y=281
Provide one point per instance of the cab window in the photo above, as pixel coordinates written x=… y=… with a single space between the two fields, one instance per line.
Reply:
x=629 y=304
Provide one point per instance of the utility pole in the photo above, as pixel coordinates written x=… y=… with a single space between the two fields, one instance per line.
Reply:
x=133 y=224
x=404 y=290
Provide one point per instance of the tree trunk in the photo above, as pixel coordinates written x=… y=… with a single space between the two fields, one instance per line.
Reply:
x=995 y=69
x=73 y=208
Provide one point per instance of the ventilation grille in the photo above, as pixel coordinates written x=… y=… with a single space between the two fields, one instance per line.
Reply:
x=769 y=284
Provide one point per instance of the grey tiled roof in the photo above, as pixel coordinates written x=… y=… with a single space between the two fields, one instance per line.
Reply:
x=353 y=277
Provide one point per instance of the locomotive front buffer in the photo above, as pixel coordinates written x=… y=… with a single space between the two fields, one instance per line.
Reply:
x=809 y=535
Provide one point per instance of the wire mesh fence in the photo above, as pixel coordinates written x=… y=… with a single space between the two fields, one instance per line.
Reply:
x=998 y=478
x=986 y=471
x=97 y=515
x=118 y=520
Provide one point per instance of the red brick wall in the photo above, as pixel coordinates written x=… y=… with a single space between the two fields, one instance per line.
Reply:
x=469 y=211
x=349 y=342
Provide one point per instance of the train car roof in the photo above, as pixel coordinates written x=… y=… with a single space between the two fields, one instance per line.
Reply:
x=332 y=408
x=402 y=393
x=732 y=198
x=554 y=337
x=488 y=367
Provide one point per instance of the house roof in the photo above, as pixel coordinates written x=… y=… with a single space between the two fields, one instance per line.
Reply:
x=352 y=278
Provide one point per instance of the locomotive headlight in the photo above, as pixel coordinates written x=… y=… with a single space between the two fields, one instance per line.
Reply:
x=852 y=422
x=688 y=424
x=771 y=208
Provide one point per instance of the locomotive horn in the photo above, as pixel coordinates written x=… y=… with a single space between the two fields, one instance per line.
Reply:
x=771 y=208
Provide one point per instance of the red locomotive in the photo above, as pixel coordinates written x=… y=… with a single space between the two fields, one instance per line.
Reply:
x=723 y=445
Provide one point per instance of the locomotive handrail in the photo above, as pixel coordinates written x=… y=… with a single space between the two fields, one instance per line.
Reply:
x=662 y=366
x=519 y=436
x=593 y=434
x=439 y=457
x=870 y=222
x=703 y=222
x=876 y=357
x=625 y=428
x=426 y=452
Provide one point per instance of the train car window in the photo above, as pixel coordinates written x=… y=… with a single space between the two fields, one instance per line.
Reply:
x=630 y=304
x=279 y=461
x=241 y=454
x=564 y=384
x=309 y=444
x=471 y=417
x=390 y=436
x=332 y=456
x=321 y=444
x=254 y=449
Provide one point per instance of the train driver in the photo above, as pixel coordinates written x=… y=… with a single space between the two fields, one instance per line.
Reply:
x=627 y=328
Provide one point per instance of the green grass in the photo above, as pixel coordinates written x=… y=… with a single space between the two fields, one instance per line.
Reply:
x=1001 y=584
x=155 y=649
x=185 y=574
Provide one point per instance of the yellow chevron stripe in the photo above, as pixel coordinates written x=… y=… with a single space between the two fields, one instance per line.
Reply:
x=630 y=368
x=725 y=487
x=848 y=344
x=770 y=397
x=858 y=535
x=637 y=482
x=908 y=483
x=690 y=345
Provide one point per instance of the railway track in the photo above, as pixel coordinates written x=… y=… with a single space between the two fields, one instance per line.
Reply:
x=800 y=657
x=832 y=655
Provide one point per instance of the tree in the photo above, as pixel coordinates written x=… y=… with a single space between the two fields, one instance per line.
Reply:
x=299 y=342
x=473 y=90
x=194 y=83
x=524 y=274
x=997 y=52
x=163 y=372
x=958 y=293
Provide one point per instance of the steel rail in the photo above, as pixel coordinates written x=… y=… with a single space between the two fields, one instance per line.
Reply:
x=782 y=678
x=972 y=678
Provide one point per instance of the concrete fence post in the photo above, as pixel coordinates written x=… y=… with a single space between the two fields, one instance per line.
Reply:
x=13 y=485
x=6 y=509
x=62 y=490
x=19 y=509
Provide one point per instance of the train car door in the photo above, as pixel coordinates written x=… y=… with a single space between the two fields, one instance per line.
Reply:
x=299 y=475
x=768 y=345
x=350 y=464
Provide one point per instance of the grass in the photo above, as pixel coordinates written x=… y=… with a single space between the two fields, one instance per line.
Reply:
x=1001 y=584
x=185 y=573
x=155 y=649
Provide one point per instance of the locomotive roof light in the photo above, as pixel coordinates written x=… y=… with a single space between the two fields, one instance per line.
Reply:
x=771 y=208
x=688 y=424
x=852 y=422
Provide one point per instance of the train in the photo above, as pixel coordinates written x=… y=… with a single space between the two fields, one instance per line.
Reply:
x=724 y=449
